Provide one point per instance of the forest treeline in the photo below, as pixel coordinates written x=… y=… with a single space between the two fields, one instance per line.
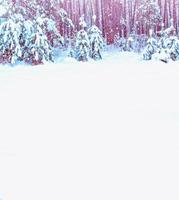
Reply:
x=32 y=31
x=116 y=16
x=124 y=16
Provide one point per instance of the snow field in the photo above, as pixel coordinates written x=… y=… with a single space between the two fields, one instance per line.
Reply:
x=96 y=130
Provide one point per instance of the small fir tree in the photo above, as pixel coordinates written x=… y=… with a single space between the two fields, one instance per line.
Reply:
x=174 y=50
x=151 y=48
x=82 y=42
x=168 y=43
x=96 y=41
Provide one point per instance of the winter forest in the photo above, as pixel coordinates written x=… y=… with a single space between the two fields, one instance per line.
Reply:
x=36 y=31
x=89 y=108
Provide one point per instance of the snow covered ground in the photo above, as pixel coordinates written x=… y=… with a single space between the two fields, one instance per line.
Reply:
x=90 y=131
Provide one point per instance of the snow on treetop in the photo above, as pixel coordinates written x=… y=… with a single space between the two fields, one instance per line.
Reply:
x=150 y=32
x=94 y=18
x=82 y=22
x=3 y=10
x=130 y=39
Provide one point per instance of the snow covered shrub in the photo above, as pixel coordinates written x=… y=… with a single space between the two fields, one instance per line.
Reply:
x=151 y=48
x=162 y=55
x=96 y=41
x=10 y=35
x=82 y=43
x=174 y=50
x=141 y=42
x=169 y=43
x=131 y=44
x=70 y=46
x=120 y=42
x=165 y=41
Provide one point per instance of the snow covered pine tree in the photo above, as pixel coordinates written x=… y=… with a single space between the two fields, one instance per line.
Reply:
x=96 y=41
x=31 y=35
x=174 y=50
x=151 y=47
x=44 y=36
x=10 y=33
x=120 y=40
x=38 y=49
x=168 y=44
x=171 y=41
x=82 y=42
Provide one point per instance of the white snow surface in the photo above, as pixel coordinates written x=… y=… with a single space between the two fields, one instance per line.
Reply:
x=104 y=130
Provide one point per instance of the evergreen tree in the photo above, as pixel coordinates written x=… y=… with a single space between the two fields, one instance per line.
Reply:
x=25 y=37
x=168 y=43
x=151 y=48
x=96 y=41
x=10 y=32
x=171 y=41
x=82 y=42
x=38 y=49
x=174 y=50
x=32 y=34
